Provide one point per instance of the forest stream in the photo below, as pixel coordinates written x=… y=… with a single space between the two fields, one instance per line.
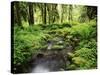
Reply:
x=51 y=60
x=48 y=37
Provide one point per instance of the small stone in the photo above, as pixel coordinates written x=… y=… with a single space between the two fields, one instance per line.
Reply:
x=61 y=69
x=14 y=68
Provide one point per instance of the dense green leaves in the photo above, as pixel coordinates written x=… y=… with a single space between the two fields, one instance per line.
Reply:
x=83 y=30
x=26 y=42
x=31 y=39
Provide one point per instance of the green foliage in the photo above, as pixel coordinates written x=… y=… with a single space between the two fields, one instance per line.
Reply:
x=74 y=23
x=93 y=23
x=88 y=44
x=32 y=39
x=66 y=25
x=52 y=26
x=86 y=53
x=26 y=42
x=70 y=29
x=85 y=58
x=71 y=67
x=79 y=60
x=83 y=31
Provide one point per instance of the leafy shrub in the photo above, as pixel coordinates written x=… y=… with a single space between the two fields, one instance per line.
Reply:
x=91 y=43
x=85 y=58
x=26 y=42
x=74 y=23
x=84 y=31
x=66 y=25
x=93 y=23
x=51 y=26
x=79 y=60
x=56 y=26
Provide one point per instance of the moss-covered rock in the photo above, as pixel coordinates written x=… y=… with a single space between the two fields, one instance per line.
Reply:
x=78 y=60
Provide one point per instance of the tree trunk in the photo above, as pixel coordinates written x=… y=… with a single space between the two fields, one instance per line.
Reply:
x=70 y=13
x=31 y=14
x=18 y=16
x=54 y=11
x=44 y=14
x=49 y=14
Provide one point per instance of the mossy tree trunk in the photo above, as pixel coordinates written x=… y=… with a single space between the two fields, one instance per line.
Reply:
x=18 y=16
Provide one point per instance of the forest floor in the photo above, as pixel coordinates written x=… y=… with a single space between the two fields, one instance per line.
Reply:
x=71 y=45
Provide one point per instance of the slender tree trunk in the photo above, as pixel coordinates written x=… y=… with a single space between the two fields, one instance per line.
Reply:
x=18 y=16
x=49 y=14
x=44 y=13
x=70 y=13
x=54 y=11
x=62 y=14
x=31 y=14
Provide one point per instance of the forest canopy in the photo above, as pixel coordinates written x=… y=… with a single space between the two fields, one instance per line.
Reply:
x=42 y=13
